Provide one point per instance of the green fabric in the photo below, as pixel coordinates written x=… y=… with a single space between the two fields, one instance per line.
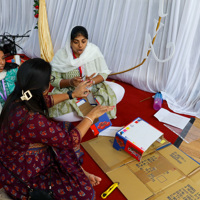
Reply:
x=9 y=80
x=101 y=91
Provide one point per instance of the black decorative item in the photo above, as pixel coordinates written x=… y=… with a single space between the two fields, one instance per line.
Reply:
x=8 y=42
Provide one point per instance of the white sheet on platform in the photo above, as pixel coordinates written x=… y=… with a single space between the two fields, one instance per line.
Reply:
x=173 y=119
x=110 y=131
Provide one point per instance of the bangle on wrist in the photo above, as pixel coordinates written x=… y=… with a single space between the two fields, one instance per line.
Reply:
x=70 y=94
x=89 y=119
x=93 y=82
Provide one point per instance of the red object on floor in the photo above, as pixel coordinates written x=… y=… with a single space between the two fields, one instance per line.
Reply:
x=127 y=110
x=22 y=56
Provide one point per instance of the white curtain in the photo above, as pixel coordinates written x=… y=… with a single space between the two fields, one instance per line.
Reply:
x=120 y=28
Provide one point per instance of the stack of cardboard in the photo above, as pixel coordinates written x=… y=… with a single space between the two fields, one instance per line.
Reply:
x=163 y=172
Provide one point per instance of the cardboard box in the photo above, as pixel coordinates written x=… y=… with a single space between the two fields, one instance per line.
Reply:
x=99 y=124
x=161 y=174
x=136 y=138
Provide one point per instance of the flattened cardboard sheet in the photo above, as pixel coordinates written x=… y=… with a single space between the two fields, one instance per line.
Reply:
x=163 y=174
x=185 y=189
x=129 y=184
x=196 y=176
x=156 y=172
x=102 y=151
x=179 y=159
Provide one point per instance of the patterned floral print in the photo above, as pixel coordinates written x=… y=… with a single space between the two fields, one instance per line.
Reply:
x=10 y=79
x=24 y=149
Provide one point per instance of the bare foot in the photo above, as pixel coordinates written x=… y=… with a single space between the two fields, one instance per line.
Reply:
x=94 y=180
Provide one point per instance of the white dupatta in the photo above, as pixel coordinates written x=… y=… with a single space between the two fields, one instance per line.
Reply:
x=91 y=58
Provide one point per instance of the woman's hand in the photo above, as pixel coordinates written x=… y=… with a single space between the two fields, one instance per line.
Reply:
x=89 y=78
x=81 y=90
x=75 y=81
x=95 y=79
x=96 y=112
x=99 y=110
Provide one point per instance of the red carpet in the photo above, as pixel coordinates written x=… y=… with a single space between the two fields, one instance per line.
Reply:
x=127 y=110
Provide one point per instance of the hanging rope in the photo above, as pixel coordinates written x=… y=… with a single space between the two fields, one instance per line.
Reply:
x=158 y=24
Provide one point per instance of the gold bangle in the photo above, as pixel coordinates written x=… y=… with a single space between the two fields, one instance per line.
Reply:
x=89 y=119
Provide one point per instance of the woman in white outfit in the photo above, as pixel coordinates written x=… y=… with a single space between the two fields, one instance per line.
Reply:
x=78 y=61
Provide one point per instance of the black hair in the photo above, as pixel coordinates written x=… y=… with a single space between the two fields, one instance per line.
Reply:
x=33 y=75
x=8 y=66
x=79 y=30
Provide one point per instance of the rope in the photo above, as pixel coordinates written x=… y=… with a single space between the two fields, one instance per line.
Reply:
x=158 y=24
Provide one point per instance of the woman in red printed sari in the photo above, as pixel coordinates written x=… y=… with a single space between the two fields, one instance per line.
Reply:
x=28 y=135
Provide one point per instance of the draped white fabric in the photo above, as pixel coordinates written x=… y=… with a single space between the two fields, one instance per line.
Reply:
x=120 y=28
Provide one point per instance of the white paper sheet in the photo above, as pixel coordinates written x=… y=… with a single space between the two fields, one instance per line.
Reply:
x=110 y=131
x=140 y=133
x=173 y=119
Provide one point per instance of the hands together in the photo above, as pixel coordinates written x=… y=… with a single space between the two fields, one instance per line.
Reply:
x=77 y=80
x=82 y=90
x=89 y=78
